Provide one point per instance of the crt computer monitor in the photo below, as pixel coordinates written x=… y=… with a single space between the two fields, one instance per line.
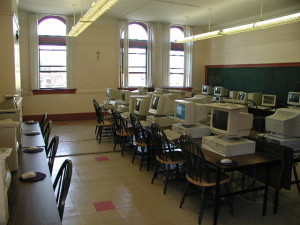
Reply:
x=132 y=101
x=188 y=113
x=161 y=105
x=141 y=106
x=207 y=90
x=293 y=98
x=284 y=123
x=268 y=100
x=205 y=99
x=125 y=94
x=230 y=120
x=220 y=91
x=112 y=94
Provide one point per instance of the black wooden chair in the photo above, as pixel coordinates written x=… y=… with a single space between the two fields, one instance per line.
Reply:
x=46 y=133
x=124 y=135
x=141 y=141
x=61 y=185
x=51 y=152
x=167 y=156
x=43 y=122
x=104 y=128
x=198 y=173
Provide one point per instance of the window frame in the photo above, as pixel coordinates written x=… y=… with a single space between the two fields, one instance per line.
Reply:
x=133 y=43
x=52 y=40
x=177 y=47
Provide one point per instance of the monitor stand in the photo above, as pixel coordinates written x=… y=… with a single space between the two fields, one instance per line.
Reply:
x=293 y=143
x=197 y=130
x=163 y=121
x=228 y=147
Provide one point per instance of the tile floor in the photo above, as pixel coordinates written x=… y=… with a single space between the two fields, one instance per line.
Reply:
x=107 y=189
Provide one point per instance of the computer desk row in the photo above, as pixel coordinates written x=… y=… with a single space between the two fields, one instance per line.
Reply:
x=259 y=160
x=32 y=203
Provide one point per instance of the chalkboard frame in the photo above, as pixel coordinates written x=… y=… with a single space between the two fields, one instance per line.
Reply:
x=277 y=73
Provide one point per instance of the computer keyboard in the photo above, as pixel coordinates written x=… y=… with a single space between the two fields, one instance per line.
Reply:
x=125 y=115
x=172 y=135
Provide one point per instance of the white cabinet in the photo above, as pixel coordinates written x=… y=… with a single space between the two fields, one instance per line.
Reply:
x=8 y=139
x=5 y=180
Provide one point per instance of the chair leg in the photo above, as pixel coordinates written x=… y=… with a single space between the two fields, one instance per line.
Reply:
x=229 y=199
x=116 y=142
x=122 y=145
x=142 y=157
x=201 y=206
x=134 y=154
x=167 y=179
x=100 y=134
x=155 y=172
x=296 y=178
x=184 y=194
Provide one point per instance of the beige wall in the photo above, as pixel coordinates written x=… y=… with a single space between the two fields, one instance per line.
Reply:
x=274 y=45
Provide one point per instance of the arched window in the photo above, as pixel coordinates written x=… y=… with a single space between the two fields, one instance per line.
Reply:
x=52 y=53
x=176 y=78
x=136 y=60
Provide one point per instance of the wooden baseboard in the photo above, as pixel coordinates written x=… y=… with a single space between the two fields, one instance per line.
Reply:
x=62 y=117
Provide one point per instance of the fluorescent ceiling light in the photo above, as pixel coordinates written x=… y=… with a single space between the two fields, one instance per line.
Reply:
x=96 y=10
x=243 y=28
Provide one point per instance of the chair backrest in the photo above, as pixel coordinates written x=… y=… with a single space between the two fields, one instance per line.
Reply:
x=119 y=121
x=51 y=152
x=61 y=185
x=99 y=115
x=161 y=143
x=139 y=132
x=195 y=164
x=43 y=121
x=46 y=133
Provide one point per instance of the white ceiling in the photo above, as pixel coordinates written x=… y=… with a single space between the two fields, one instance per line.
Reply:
x=184 y=12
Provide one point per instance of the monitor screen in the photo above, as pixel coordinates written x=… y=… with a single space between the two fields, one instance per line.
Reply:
x=268 y=100
x=154 y=103
x=220 y=119
x=180 y=111
x=138 y=105
x=242 y=96
x=294 y=98
x=217 y=90
x=123 y=96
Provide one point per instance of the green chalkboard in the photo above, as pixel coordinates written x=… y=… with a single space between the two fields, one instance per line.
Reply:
x=277 y=79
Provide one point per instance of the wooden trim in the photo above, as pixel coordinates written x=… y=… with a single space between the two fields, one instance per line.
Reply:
x=63 y=117
x=249 y=65
x=54 y=91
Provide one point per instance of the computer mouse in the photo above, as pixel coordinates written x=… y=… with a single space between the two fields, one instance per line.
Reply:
x=28 y=175
x=226 y=160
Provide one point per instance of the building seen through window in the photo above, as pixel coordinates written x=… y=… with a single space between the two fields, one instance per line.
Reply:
x=52 y=53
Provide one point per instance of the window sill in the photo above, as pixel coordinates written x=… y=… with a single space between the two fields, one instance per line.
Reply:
x=53 y=91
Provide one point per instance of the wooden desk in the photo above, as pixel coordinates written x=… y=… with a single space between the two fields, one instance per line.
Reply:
x=32 y=203
x=30 y=141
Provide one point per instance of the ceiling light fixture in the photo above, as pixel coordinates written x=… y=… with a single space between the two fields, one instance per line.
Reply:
x=292 y=18
x=97 y=9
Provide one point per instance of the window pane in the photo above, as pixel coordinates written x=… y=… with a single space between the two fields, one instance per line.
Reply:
x=176 y=80
x=176 y=34
x=53 y=80
x=137 y=32
x=53 y=57
x=135 y=80
x=52 y=26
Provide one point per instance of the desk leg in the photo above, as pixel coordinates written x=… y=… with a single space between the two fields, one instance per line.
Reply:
x=276 y=201
x=266 y=191
x=216 y=209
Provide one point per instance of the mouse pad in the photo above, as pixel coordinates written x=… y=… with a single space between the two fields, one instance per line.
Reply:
x=233 y=163
x=26 y=150
x=39 y=176
x=30 y=122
